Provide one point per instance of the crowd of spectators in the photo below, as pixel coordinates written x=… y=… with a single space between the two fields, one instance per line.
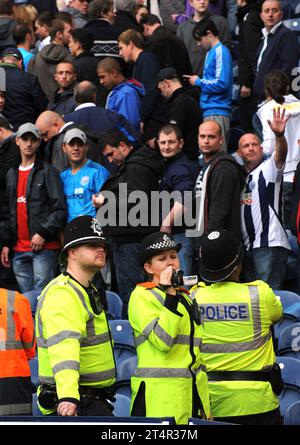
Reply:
x=105 y=103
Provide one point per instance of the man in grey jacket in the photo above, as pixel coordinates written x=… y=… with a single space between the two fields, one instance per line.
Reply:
x=43 y=65
x=185 y=32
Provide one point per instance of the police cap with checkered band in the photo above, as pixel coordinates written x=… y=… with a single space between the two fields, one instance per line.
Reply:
x=154 y=244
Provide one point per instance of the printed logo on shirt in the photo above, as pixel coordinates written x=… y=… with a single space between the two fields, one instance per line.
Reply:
x=21 y=199
x=247 y=199
x=225 y=312
x=84 y=180
x=251 y=185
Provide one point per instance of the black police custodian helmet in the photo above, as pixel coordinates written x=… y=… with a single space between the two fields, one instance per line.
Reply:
x=154 y=244
x=83 y=230
x=219 y=255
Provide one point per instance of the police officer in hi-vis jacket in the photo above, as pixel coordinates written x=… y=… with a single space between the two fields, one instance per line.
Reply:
x=243 y=377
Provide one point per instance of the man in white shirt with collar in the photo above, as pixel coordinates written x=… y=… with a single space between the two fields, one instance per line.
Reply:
x=279 y=49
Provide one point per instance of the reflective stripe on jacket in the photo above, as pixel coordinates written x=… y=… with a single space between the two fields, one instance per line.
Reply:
x=168 y=350
x=74 y=343
x=237 y=337
x=17 y=347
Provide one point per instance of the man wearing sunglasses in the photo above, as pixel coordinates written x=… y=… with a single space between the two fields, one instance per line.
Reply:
x=76 y=362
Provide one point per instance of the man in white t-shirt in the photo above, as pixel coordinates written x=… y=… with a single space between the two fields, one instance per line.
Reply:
x=265 y=241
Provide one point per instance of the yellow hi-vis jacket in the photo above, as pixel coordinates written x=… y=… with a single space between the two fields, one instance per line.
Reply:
x=74 y=343
x=168 y=350
x=237 y=337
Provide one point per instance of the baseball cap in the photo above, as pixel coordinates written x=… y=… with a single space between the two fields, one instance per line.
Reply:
x=12 y=51
x=167 y=73
x=83 y=230
x=28 y=128
x=154 y=244
x=220 y=253
x=74 y=133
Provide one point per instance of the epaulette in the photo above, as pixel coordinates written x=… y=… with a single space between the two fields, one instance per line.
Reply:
x=200 y=284
x=148 y=285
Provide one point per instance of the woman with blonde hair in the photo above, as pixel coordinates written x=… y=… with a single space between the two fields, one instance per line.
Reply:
x=21 y=15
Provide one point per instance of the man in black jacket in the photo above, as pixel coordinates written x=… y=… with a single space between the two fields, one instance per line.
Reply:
x=24 y=99
x=183 y=109
x=36 y=215
x=63 y=101
x=218 y=186
x=9 y=157
x=279 y=49
x=166 y=46
x=81 y=42
x=125 y=200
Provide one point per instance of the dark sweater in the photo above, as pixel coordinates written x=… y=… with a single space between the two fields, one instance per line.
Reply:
x=185 y=112
x=140 y=172
x=225 y=181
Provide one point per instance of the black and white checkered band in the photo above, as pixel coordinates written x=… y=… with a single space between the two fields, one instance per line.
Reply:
x=166 y=243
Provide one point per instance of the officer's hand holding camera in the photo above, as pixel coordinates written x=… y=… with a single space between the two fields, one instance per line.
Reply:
x=166 y=280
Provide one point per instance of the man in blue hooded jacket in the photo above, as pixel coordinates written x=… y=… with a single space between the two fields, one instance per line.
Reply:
x=125 y=95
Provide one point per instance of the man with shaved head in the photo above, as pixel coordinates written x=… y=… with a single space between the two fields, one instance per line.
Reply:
x=52 y=128
x=218 y=185
x=265 y=241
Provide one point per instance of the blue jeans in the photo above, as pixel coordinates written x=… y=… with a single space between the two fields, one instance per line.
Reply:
x=128 y=270
x=34 y=270
x=267 y=264
x=186 y=253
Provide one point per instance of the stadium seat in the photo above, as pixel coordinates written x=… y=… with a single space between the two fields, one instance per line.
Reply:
x=292 y=414
x=124 y=343
x=287 y=298
x=34 y=372
x=121 y=406
x=35 y=409
x=114 y=304
x=289 y=342
x=124 y=372
x=293 y=24
x=291 y=315
x=290 y=369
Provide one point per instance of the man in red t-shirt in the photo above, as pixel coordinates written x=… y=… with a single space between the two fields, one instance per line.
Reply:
x=37 y=214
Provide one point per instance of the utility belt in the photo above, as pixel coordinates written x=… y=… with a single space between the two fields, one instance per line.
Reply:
x=48 y=398
x=98 y=393
x=272 y=375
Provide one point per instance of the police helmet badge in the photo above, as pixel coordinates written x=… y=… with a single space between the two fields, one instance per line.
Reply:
x=213 y=235
x=96 y=227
